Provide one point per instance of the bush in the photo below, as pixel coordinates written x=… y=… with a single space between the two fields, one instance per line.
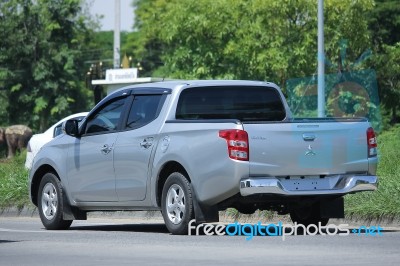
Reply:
x=385 y=202
x=13 y=182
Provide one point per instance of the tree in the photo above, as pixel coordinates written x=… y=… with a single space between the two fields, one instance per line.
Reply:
x=41 y=61
x=261 y=39
x=384 y=24
x=389 y=78
x=268 y=40
x=144 y=43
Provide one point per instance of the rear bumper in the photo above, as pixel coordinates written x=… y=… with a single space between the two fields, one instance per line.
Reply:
x=337 y=184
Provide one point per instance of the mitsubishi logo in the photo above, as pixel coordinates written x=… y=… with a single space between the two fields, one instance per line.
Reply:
x=310 y=151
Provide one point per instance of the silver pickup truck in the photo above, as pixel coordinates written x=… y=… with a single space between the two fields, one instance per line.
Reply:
x=193 y=148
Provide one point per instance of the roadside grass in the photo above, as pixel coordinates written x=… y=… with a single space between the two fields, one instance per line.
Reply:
x=381 y=204
x=384 y=202
x=13 y=182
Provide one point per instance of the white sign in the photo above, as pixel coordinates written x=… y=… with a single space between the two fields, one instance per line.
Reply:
x=121 y=75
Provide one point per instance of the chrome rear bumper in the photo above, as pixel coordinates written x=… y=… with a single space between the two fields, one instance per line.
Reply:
x=337 y=184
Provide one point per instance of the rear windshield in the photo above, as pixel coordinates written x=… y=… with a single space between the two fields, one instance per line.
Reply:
x=246 y=103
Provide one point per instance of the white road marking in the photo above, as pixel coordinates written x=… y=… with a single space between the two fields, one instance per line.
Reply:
x=31 y=231
x=82 y=224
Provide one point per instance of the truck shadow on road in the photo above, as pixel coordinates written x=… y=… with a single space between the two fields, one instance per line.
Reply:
x=161 y=228
x=143 y=228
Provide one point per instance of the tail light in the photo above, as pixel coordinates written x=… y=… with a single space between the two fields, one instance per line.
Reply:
x=372 y=145
x=238 y=143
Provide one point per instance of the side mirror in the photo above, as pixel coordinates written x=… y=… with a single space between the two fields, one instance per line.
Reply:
x=71 y=127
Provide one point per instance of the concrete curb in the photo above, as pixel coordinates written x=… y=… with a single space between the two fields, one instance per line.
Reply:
x=29 y=211
x=32 y=211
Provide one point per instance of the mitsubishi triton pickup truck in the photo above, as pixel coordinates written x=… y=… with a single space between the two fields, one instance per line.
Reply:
x=193 y=148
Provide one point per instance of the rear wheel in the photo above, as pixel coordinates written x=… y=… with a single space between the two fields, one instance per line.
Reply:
x=307 y=215
x=177 y=204
x=50 y=203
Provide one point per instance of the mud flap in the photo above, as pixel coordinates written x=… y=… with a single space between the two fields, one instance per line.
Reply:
x=332 y=208
x=203 y=213
x=72 y=213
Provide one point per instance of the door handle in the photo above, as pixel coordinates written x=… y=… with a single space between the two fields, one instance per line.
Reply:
x=106 y=149
x=145 y=145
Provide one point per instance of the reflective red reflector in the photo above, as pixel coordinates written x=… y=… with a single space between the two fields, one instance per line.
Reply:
x=238 y=143
x=371 y=142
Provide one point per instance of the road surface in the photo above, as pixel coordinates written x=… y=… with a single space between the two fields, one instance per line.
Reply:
x=124 y=241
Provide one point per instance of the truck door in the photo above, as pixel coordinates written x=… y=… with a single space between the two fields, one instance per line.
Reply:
x=90 y=161
x=134 y=146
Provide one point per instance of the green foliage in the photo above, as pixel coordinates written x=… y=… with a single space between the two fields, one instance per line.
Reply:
x=385 y=202
x=144 y=44
x=387 y=63
x=384 y=22
x=270 y=40
x=263 y=40
x=384 y=25
x=41 y=60
x=100 y=48
x=14 y=182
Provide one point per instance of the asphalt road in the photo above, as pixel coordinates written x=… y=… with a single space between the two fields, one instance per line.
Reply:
x=110 y=241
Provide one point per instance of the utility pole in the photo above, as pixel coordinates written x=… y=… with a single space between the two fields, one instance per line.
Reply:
x=117 y=29
x=321 y=60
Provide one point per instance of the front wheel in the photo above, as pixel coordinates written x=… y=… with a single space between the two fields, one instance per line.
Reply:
x=177 y=204
x=50 y=203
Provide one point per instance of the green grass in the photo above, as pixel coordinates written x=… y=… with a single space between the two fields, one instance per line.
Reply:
x=385 y=202
x=13 y=182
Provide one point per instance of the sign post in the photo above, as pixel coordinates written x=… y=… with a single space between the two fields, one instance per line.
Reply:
x=321 y=60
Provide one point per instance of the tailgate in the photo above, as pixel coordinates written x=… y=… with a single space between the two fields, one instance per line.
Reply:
x=299 y=149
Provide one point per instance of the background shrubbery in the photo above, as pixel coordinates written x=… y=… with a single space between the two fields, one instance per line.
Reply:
x=385 y=202
x=14 y=182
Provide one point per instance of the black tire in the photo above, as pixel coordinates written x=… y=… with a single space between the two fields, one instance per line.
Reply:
x=177 y=194
x=308 y=215
x=51 y=204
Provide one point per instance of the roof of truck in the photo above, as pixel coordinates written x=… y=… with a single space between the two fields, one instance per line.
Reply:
x=172 y=84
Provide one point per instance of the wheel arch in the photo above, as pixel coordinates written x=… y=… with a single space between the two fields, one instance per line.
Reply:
x=37 y=178
x=167 y=169
x=203 y=213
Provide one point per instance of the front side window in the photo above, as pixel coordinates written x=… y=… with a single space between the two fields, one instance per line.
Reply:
x=245 y=103
x=106 y=119
x=144 y=109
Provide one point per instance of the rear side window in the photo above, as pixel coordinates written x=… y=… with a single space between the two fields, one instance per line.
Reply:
x=144 y=109
x=246 y=103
